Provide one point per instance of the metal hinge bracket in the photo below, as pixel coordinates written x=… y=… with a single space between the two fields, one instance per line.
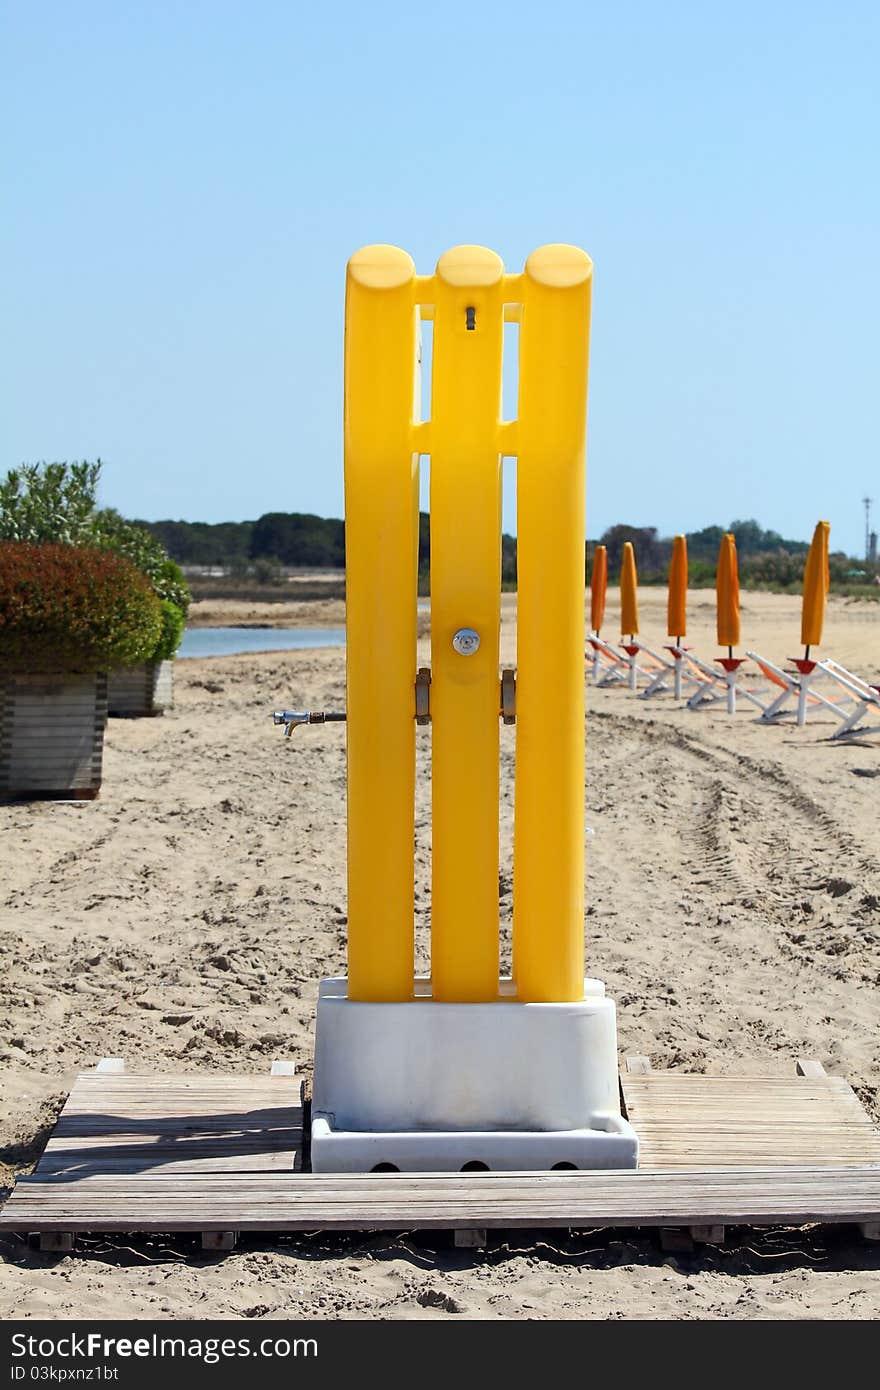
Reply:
x=423 y=695
x=508 y=696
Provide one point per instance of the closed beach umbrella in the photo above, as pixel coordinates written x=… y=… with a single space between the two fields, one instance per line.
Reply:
x=598 y=587
x=727 y=593
x=815 y=587
x=629 y=603
x=676 y=611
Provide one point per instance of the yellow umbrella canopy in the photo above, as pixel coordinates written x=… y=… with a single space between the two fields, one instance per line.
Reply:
x=598 y=587
x=727 y=592
x=629 y=603
x=815 y=586
x=676 y=609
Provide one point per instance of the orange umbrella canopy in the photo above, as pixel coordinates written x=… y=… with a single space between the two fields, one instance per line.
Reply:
x=629 y=603
x=727 y=592
x=815 y=586
x=676 y=608
x=598 y=588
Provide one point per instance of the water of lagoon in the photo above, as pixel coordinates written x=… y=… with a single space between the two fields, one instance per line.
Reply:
x=238 y=641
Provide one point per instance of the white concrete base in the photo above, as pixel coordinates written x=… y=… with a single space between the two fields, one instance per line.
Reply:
x=432 y=1086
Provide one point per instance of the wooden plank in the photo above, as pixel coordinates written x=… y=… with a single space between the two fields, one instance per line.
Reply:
x=70 y=722
x=687 y=1119
x=676 y=1240
x=809 y=1067
x=27 y=705
x=252 y=1202
x=50 y=773
x=637 y=1065
x=219 y=1240
x=57 y=1242
x=471 y=1238
x=707 y=1235
x=64 y=796
x=140 y=690
x=117 y=1122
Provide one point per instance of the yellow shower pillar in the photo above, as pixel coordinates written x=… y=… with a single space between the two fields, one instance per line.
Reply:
x=462 y=1077
x=548 y=855
x=465 y=600
x=381 y=563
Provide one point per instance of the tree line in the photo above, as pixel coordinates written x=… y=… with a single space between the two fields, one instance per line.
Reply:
x=653 y=551
x=302 y=540
x=290 y=540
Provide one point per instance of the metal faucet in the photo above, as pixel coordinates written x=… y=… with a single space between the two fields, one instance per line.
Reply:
x=291 y=719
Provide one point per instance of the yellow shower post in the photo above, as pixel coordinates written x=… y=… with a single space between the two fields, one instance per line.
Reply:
x=465 y=1069
x=381 y=571
x=465 y=619
x=548 y=857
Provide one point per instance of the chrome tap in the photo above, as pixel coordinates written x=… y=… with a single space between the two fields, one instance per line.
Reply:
x=291 y=719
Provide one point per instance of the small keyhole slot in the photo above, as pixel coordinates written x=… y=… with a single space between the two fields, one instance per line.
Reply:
x=470 y=318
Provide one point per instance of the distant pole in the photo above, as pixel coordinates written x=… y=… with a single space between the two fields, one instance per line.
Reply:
x=866 y=503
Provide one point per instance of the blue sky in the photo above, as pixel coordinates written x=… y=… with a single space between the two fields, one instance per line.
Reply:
x=186 y=180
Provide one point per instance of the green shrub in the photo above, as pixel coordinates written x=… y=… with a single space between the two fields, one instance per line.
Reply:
x=49 y=502
x=111 y=531
x=57 y=502
x=267 y=570
x=173 y=623
x=68 y=609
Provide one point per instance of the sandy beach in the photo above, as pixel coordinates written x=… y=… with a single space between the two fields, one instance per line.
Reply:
x=213 y=612
x=183 y=922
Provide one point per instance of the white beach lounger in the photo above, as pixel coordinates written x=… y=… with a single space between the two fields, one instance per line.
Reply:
x=639 y=671
x=608 y=665
x=717 y=686
x=860 y=698
x=865 y=699
x=677 y=668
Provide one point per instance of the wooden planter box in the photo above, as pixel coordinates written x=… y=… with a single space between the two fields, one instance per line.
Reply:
x=52 y=735
x=140 y=690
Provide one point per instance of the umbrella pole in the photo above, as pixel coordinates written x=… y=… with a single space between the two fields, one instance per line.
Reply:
x=633 y=674
x=803 y=690
x=678 y=666
x=803 y=687
x=731 y=685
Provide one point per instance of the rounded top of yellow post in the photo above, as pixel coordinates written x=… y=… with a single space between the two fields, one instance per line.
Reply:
x=466 y=266
x=559 y=266
x=381 y=267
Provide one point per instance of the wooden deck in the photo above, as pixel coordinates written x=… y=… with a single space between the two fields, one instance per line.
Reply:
x=689 y=1121
x=381 y=1201
x=220 y=1155
x=119 y=1124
